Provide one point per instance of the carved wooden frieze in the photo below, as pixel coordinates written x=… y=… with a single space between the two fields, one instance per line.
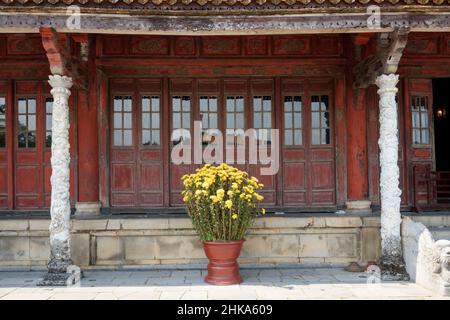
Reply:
x=328 y=45
x=256 y=45
x=428 y=44
x=234 y=2
x=420 y=45
x=291 y=45
x=24 y=45
x=221 y=46
x=113 y=45
x=150 y=45
x=447 y=44
x=185 y=46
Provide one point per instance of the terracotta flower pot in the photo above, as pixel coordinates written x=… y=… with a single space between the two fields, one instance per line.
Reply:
x=223 y=268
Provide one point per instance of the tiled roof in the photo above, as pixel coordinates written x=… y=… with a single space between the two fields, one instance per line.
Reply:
x=232 y=2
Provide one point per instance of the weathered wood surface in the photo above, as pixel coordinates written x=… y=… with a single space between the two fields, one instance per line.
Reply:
x=390 y=48
x=60 y=59
x=17 y=21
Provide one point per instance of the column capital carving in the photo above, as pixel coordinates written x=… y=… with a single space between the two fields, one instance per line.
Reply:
x=387 y=83
x=60 y=84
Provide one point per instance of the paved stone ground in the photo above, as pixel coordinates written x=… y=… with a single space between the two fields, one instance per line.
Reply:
x=272 y=284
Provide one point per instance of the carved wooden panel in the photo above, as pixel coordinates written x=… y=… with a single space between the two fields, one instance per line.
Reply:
x=291 y=45
x=3 y=186
x=150 y=45
x=422 y=44
x=24 y=44
x=328 y=45
x=447 y=45
x=123 y=177
x=221 y=46
x=256 y=45
x=113 y=45
x=295 y=175
x=185 y=46
x=2 y=45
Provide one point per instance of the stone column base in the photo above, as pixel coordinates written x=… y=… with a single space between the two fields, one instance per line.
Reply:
x=359 y=206
x=87 y=209
x=70 y=278
x=56 y=280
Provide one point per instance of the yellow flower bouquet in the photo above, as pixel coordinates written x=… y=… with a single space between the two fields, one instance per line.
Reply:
x=222 y=202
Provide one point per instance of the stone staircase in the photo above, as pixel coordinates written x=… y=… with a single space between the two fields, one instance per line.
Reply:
x=426 y=250
x=437 y=223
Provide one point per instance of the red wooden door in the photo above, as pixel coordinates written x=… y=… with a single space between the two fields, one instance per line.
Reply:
x=143 y=172
x=25 y=145
x=220 y=104
x=5 y=156
x=182 y=113
x=150 y=167
x=137 y=168
x=32 y=145
x=261 y=117
x=419 y=139
x=308 y=166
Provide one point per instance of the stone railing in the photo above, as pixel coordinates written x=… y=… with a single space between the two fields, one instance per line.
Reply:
x=427 y=261
x=115 y=242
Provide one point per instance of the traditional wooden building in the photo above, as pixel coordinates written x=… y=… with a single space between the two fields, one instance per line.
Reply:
x=337 y=78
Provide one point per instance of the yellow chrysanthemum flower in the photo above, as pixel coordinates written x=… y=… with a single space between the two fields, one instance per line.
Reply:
x=228 y=204
x=259 y=197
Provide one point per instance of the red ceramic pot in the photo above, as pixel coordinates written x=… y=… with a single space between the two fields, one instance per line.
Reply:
x=223 y=268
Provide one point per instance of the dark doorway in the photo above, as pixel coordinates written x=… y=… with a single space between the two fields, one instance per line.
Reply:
x=441 y=109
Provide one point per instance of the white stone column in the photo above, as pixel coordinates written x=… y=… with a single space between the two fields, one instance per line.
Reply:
x=391 y=261
x=60 y=256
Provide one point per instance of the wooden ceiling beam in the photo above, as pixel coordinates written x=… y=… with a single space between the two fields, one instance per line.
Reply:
x=390 y=48
x=57 y=48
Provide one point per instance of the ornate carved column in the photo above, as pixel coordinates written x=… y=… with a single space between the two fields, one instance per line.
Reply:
x=60 y=256
x=391 y=261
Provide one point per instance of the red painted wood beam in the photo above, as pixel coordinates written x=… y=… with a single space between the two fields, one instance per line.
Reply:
x=60 y=59
x=56 y=53
x=88 y=148
x=363 y=38
x=357 y=160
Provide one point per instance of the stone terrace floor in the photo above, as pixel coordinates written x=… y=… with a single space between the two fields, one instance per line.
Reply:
x=271 y=284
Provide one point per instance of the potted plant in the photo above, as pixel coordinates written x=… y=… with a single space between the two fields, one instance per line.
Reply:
x=222 y=202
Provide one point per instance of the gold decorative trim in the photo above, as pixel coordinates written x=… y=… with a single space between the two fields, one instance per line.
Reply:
x=234 y=2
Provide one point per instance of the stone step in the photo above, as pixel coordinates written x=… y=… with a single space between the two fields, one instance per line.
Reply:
x=440 y=233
